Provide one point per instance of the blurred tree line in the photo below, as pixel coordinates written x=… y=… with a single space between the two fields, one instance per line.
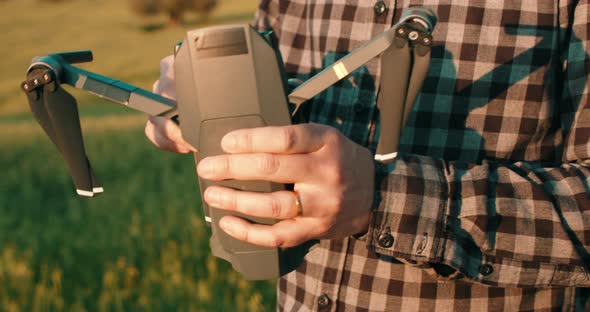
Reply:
x=174 y=9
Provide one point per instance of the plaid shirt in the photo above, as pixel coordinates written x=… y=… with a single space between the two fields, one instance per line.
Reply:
x=487 y=208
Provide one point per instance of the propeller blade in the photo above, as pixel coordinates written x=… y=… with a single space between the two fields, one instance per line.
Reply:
x=39 y=85
x=62 y=109
x=97 y=188
x=395 y=71
x=35 y=97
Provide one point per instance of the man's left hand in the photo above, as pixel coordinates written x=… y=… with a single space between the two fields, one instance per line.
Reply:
x=332 y=175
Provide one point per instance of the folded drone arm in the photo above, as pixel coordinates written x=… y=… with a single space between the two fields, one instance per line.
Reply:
x=405 y=57
x=329 y=76
x=104 y=87
x=57 y=111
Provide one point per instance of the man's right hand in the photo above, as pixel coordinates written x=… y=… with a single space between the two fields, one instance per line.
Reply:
x=163 y=132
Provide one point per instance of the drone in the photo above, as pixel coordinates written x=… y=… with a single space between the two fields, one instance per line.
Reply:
x=208 y=62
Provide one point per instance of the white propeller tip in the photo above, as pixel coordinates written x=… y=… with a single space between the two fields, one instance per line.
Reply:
x=385 y=157
x=85 y=193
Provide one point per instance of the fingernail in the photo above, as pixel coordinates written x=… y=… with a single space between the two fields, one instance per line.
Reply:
x=181 y=148
x=229 y=142
x=226 y=226
x=205 y=167
x=190 y=148
x=212 y=196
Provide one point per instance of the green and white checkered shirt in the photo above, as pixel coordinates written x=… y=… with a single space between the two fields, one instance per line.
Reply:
x=487 y=208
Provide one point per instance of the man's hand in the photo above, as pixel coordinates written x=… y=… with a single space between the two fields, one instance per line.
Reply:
x=162 y=132
x=332 y=175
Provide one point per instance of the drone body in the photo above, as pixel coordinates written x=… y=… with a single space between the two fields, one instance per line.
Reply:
x=246 y=91
x=228 y=78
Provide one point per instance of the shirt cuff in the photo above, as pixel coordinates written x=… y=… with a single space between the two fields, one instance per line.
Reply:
x=409 y=220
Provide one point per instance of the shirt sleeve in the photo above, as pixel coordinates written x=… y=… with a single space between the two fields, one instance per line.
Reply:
x=508 y=224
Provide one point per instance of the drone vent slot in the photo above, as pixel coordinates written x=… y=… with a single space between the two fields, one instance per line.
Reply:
x=224 y=42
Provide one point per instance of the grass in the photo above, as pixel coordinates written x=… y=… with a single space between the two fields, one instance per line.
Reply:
x=141 y=246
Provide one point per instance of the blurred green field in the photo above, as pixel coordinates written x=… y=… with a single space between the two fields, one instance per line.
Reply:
x=141 y=246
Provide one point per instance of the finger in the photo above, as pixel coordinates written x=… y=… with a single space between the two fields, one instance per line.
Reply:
x=165 y=89
x=167 y=63
x=166 y=85
x=276 y=205
x=284 y=234
x=156 y=87
x=161 y=141
x=166 y=135
x=167 y=68
x=304 y=138
x=267 y=167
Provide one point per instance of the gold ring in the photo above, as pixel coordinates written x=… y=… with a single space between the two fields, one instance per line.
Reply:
x=298 y=205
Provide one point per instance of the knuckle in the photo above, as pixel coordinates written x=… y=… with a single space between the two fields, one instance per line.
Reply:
x=332 y=136
x=275 y=208
x=223 y=164
x=277 y=240
x=334 y=174
x=335 y=142
x=286 y=138
x=243 y=235
x=268 y=164
x=232 y=202
x=244 y=141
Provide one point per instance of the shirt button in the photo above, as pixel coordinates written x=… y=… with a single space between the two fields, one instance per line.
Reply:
x=380 y=7
x=385 y=239
x=486 y=269
x=324 y=301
